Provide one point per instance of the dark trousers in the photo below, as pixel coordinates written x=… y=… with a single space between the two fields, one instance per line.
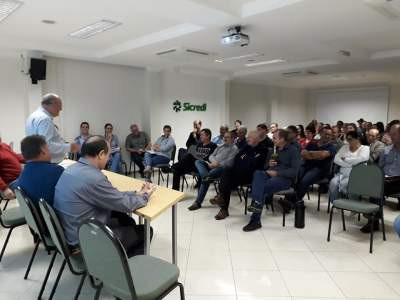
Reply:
x=130 y=234
x=392 y=186
x=307 y=177
x=231 y=178
x=184 y=166
x=138 y=160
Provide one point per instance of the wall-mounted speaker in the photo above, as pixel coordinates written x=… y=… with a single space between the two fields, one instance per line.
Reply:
x=37 y=70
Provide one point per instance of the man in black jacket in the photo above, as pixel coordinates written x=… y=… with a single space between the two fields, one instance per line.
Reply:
x=262 y=129
x=252 y=157
x=200 y=151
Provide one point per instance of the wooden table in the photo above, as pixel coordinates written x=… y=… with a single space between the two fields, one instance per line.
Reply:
x=162 y=199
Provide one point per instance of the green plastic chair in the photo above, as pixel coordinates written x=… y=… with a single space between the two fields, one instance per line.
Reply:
x=74 y=262
x=141 y=277
x=10 y=219
x=366 y=181
x=35 y=222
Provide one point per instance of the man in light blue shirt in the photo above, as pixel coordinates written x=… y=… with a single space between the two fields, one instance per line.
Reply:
x=40 y=122
x=84 y=192
x=219 y=139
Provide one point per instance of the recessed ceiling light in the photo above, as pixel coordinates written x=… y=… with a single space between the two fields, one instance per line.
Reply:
x=220 y=60
x=49 y=22
x=267 y=62
x=7 y=7
x=95 y=28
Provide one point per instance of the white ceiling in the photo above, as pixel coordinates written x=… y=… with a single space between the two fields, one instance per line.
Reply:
x=307 y=33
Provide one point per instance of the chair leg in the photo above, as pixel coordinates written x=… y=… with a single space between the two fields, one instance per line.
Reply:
x=167 y=179
x=330 y=225
x=78 y=291
x=308 y=195
x=272 y=206
x=383 y=225
x=31 y=260
x=240 y=195
x=159 y=176
x=182 y=290
x=372 y=233
x=6 y=242
x=283 y=218
x=98 y=292
x=5 y=205
x=53 y=291
x=47 y=275
x=319 y=199
x=343 y=221
x=329 y=206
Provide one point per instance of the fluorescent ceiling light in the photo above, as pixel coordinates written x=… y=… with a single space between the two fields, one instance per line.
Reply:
x=95 y=28
x=7 y=7
x=267 y=62
x=221 y=60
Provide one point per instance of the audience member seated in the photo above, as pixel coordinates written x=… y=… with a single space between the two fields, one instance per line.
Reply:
x=39 y=176
x=115 y=155
x=84 y=192
x=310 y=133
x=10 y=169
x=194 y=136
x=293 y=135
x=237 y=124
x=221 y=158
x=351 y=154
x=84 y=135
x=266 y=142
x=375 y=145
x=219 y=139
x=386 y=137
x=200 y=151
x=336 y=140
x=279 y=176
x=161 y=152
x=272 y=128
x=317 y=158
x=241 y=141
x=252 y=157
x=301 y=137
x=136 y=144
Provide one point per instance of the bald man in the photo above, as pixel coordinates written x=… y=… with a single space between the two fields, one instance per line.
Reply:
x=40 y=122
x=375 y=145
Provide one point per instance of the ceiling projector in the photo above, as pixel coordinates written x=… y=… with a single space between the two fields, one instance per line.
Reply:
x=235 y=37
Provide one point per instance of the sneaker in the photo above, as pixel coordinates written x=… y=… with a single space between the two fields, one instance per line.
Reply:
x=367 y=227
x=223 y=213
x=217 y=200
x=194 y=206
x=254 y=207
x=251 y=226
x=286 y=205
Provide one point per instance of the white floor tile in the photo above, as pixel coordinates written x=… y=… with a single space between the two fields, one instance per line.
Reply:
x=209 y=282
x=342 y=262
x=252 y=260
x=392 y=280
x=297 y=261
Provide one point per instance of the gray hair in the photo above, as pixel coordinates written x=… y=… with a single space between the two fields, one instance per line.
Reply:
x=244 y=128
x=226 y=127
x=50 y=98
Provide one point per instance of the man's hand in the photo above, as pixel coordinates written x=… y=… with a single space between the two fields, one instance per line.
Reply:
x=148 y=189
x=272 y=163
x=156 y=147
x=75 y=148
x=9 y=194
x=272 y=173
x=213 y=165
x=304 y=153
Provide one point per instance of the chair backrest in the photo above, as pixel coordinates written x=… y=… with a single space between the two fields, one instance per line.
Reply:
x=173 y=154
x=32 y=216
x=366 y=181
x=55 y=229
x=105 y=259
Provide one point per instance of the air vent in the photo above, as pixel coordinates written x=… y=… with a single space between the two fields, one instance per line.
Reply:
x=180 y=54
x=197 y=52
x=300 y=73
x=166 y=52
x=312 y=73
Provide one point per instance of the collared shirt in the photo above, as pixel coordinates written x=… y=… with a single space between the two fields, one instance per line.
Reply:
x=114 y=143
x=40 y=122
x=137 y=142
x=224 y=154
x=375 y=150
x=289 y=161
x=218 y=140
x=390 y=161
x=84 y=192
x=10 y=165
x=166 y=146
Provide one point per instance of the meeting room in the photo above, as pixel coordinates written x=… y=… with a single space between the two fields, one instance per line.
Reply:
x=200 y=149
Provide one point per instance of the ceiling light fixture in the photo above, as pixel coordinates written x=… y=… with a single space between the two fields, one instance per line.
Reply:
x=220 y=60
x=50 y=22
x=95 y=28
x=267 y=62
x=7 y=7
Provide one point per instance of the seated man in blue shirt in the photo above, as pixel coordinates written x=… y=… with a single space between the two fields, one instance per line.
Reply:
x=84 y=192
x=39 y=177
x=283 y=168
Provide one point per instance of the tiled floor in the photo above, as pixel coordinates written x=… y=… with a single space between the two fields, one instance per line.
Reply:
x=219 y=261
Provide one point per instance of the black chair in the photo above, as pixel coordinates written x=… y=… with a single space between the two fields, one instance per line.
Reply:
x=165 y=168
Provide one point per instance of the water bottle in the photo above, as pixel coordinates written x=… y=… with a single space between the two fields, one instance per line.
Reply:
x=299 y=214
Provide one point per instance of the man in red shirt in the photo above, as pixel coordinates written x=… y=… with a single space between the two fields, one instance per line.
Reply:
x=10 y=168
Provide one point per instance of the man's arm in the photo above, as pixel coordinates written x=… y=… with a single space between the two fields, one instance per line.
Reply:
x=377 y=152
x=317 y=155
x=167 y=146
x=228 y=160
x=56 y=146
x=295 y=161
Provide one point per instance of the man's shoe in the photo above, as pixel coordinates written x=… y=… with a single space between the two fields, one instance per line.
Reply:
x=223 y=213
x=251 y=226
x=286 y=205
x=254 y=208
x=217 y=200
x=367 y=227
x=194 y=206
x=207 y=179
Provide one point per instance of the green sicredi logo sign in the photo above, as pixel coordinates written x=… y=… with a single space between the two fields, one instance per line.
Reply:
x=178 y=106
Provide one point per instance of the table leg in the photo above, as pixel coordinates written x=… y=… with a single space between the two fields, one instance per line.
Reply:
x=174 y=237
x=146 y=237
x=140 y=220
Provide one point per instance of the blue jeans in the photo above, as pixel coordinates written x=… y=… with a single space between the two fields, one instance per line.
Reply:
x=306 y=178
x=150 y=160
x=265 y=186
x=115 y=162
x=396 y=225
x=204 y=171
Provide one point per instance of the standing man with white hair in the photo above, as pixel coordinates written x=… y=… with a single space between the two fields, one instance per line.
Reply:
x=40 y=122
